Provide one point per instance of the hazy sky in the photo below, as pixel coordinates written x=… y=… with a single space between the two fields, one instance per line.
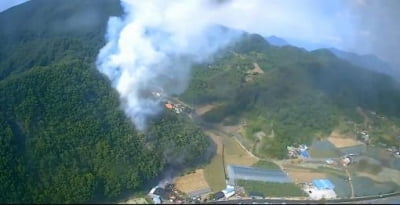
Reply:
x=5 y=4
x=362 y=26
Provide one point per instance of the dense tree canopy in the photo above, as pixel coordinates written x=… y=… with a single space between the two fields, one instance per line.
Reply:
x=63 y=135
x=300 y=94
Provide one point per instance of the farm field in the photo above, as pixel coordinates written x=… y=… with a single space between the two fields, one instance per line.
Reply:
x=192 y=182
x=341 y=141
x=268 y=189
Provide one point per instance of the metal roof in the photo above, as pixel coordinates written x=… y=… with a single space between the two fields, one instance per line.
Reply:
x=323 y=184
x=256 y=174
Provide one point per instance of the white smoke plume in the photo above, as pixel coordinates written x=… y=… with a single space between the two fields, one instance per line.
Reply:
x=153 y=46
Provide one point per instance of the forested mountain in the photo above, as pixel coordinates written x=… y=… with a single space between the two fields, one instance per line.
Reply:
x=65 y=139
x=297 y=97
x=63 y=136
x=366 y=61
x=276 y=41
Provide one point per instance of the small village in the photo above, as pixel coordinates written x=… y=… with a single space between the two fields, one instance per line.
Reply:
x=315 y=188
x=303 y=169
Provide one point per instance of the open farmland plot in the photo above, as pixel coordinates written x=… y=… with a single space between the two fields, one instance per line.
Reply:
x=270 y=189
x=358 y=149
x=342 y=186
x=235 y=154
x=192 y=182
x=304 y=175
x=232 y=153
x=214 y=173
x=340 y=141
x=323 y=149
x=364 y=186
x=384 y=156
x=266 y=165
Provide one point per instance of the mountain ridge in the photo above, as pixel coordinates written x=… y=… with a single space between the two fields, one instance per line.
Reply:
x=64 y=138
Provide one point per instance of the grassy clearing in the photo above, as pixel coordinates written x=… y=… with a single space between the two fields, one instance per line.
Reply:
x=266 y=164
x=269 y=189
x=235 y=154
x=323 y=149
x=214 y=174
x=330 y=171
x=365 y=186
x=317 y=153
x=364 y=166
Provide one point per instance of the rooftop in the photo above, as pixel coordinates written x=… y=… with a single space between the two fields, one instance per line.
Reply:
x=256 y=174
x=323 y=184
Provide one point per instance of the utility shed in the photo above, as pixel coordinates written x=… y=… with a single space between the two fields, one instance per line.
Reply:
x=256 y=174
x=323 y=184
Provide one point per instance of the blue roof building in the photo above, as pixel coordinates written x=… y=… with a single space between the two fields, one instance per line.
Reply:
x=323 y=184
x=304 y=154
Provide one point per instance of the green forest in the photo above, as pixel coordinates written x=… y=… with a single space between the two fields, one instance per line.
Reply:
x=65 y=139
x=300 y=96
x=63 y=135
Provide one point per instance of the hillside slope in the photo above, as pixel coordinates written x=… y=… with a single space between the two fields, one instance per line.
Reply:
x=63 y=135
x=298 y=96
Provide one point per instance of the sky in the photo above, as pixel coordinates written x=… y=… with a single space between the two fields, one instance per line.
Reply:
x=361 y=26
x=5 y=4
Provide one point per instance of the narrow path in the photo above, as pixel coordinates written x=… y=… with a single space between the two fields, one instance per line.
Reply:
x=250 y=153
x=350 y=183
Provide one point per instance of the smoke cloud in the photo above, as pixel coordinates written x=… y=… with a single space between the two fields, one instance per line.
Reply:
x=155 y=43
x=152 y=47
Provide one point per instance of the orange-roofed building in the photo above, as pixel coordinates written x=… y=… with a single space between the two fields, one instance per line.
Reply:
x=169 y=106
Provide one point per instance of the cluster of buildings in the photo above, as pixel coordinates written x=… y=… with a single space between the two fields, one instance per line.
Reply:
x=177 y=108
x=300 y=151
x=167 y=195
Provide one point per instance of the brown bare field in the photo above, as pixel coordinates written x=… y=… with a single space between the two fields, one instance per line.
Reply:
x=257 y=69
x=192 y=182
x=203 y=109
x=303 y=175
x=340 y=140
x=254 y=71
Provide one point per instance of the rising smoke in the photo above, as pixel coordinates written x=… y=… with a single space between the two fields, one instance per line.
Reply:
x=153 y=46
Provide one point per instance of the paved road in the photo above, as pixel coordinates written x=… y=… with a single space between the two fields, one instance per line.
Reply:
x=388 y=198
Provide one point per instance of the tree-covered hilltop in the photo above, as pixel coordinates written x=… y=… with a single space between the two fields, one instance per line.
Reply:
x=297 y=96
x=63 y=135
